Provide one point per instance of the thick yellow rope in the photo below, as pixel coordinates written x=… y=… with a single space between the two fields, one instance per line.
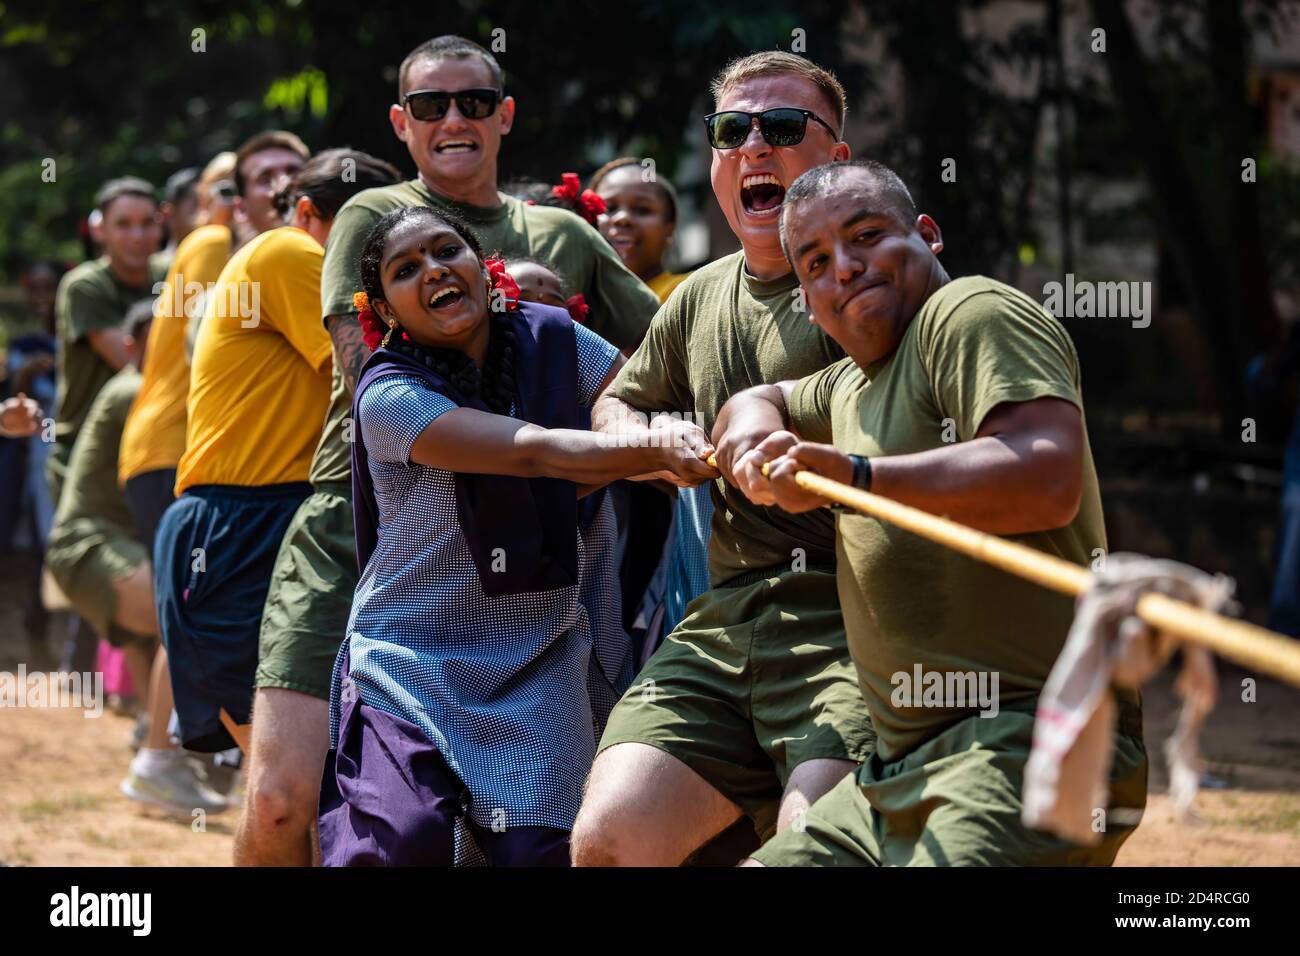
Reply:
x=1250 y=646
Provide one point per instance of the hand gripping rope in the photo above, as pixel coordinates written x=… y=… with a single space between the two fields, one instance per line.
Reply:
x=1251 y=646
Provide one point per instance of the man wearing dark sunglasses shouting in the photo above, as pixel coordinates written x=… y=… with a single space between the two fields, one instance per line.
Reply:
x=750 y=706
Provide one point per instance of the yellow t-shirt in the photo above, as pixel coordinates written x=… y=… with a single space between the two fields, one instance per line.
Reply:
x=260 y=382
x=663 y=284
x=154 y=437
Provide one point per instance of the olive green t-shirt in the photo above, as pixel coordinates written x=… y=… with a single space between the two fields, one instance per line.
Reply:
x=720 y=332
x=908 y=602
x=90 y=297
x=91 y=490
x=621 y=304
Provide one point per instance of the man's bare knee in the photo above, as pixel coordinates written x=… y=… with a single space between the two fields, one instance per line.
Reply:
x=288 y=753
x=644 y=807
x=280 y=800
x=599 y=833
x=593 y=845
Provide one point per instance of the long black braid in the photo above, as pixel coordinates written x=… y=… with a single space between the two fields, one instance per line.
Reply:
x=495 y=382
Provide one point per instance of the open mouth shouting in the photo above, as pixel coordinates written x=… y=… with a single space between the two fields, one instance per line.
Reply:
x=451 y=146
x=761 y=194
x=446 y=298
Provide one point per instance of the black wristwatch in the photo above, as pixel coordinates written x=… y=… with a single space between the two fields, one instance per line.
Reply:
x=861 y=471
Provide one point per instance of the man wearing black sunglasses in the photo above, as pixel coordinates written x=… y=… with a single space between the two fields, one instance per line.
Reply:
x=751 y=705
x=451 y=114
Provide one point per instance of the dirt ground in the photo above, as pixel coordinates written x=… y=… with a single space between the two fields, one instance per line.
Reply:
x=60 y=806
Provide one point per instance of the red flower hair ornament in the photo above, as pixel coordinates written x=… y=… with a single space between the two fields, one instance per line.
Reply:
x=579 y=311
x=501 y=281
x=585 y=202
x=372 y=330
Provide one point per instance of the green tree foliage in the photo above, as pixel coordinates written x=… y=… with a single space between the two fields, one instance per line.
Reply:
x=117 y=86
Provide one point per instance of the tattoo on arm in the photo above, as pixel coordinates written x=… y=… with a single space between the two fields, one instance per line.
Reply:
x=350 y=351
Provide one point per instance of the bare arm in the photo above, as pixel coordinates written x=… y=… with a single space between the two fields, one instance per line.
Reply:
x=1023 y=471
x=474 y=442
x=622 y=423
x=619 y=361
x=350 y=350
x=752 y=429
x=110 y=345
x=611 y=415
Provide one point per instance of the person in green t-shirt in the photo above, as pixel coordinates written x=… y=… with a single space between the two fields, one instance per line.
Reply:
x=91 y=303
x=961 y=397
x=96 y=556
x=749 y=707
x=454 y=141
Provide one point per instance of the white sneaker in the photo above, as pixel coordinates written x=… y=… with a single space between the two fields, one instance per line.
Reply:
x=173 y=786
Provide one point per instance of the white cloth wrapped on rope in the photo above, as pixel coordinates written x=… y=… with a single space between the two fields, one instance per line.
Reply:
x=1069 y=764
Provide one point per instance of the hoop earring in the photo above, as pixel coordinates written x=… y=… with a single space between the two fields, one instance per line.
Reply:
x=392 y=327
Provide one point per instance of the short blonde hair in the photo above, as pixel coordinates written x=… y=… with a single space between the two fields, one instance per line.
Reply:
x=220 y=166
x=772 y=62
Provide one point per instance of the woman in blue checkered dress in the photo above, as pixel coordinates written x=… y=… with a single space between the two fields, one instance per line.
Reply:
x=484 y=649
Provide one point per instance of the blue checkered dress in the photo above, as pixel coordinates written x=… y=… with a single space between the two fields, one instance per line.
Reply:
x=512 y=690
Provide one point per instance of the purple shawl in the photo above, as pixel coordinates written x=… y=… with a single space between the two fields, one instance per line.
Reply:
x=535 y=520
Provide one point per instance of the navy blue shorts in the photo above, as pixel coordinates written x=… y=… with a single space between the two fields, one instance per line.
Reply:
x=213 y=558
x=148 y=495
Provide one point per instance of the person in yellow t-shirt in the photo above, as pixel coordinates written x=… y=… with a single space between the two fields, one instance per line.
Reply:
x=154 y=437
x=258 y=380
x=663 y=284
x=259 y=391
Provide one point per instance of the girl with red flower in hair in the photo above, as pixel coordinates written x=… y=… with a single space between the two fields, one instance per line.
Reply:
x=485 y=647
x=539 y=281
x=567 y=194
x=638 y=218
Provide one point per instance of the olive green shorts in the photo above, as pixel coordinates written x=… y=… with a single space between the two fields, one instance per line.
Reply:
x=307 y=606
x=87 y=557
x=955 y=801
x=753 y=682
